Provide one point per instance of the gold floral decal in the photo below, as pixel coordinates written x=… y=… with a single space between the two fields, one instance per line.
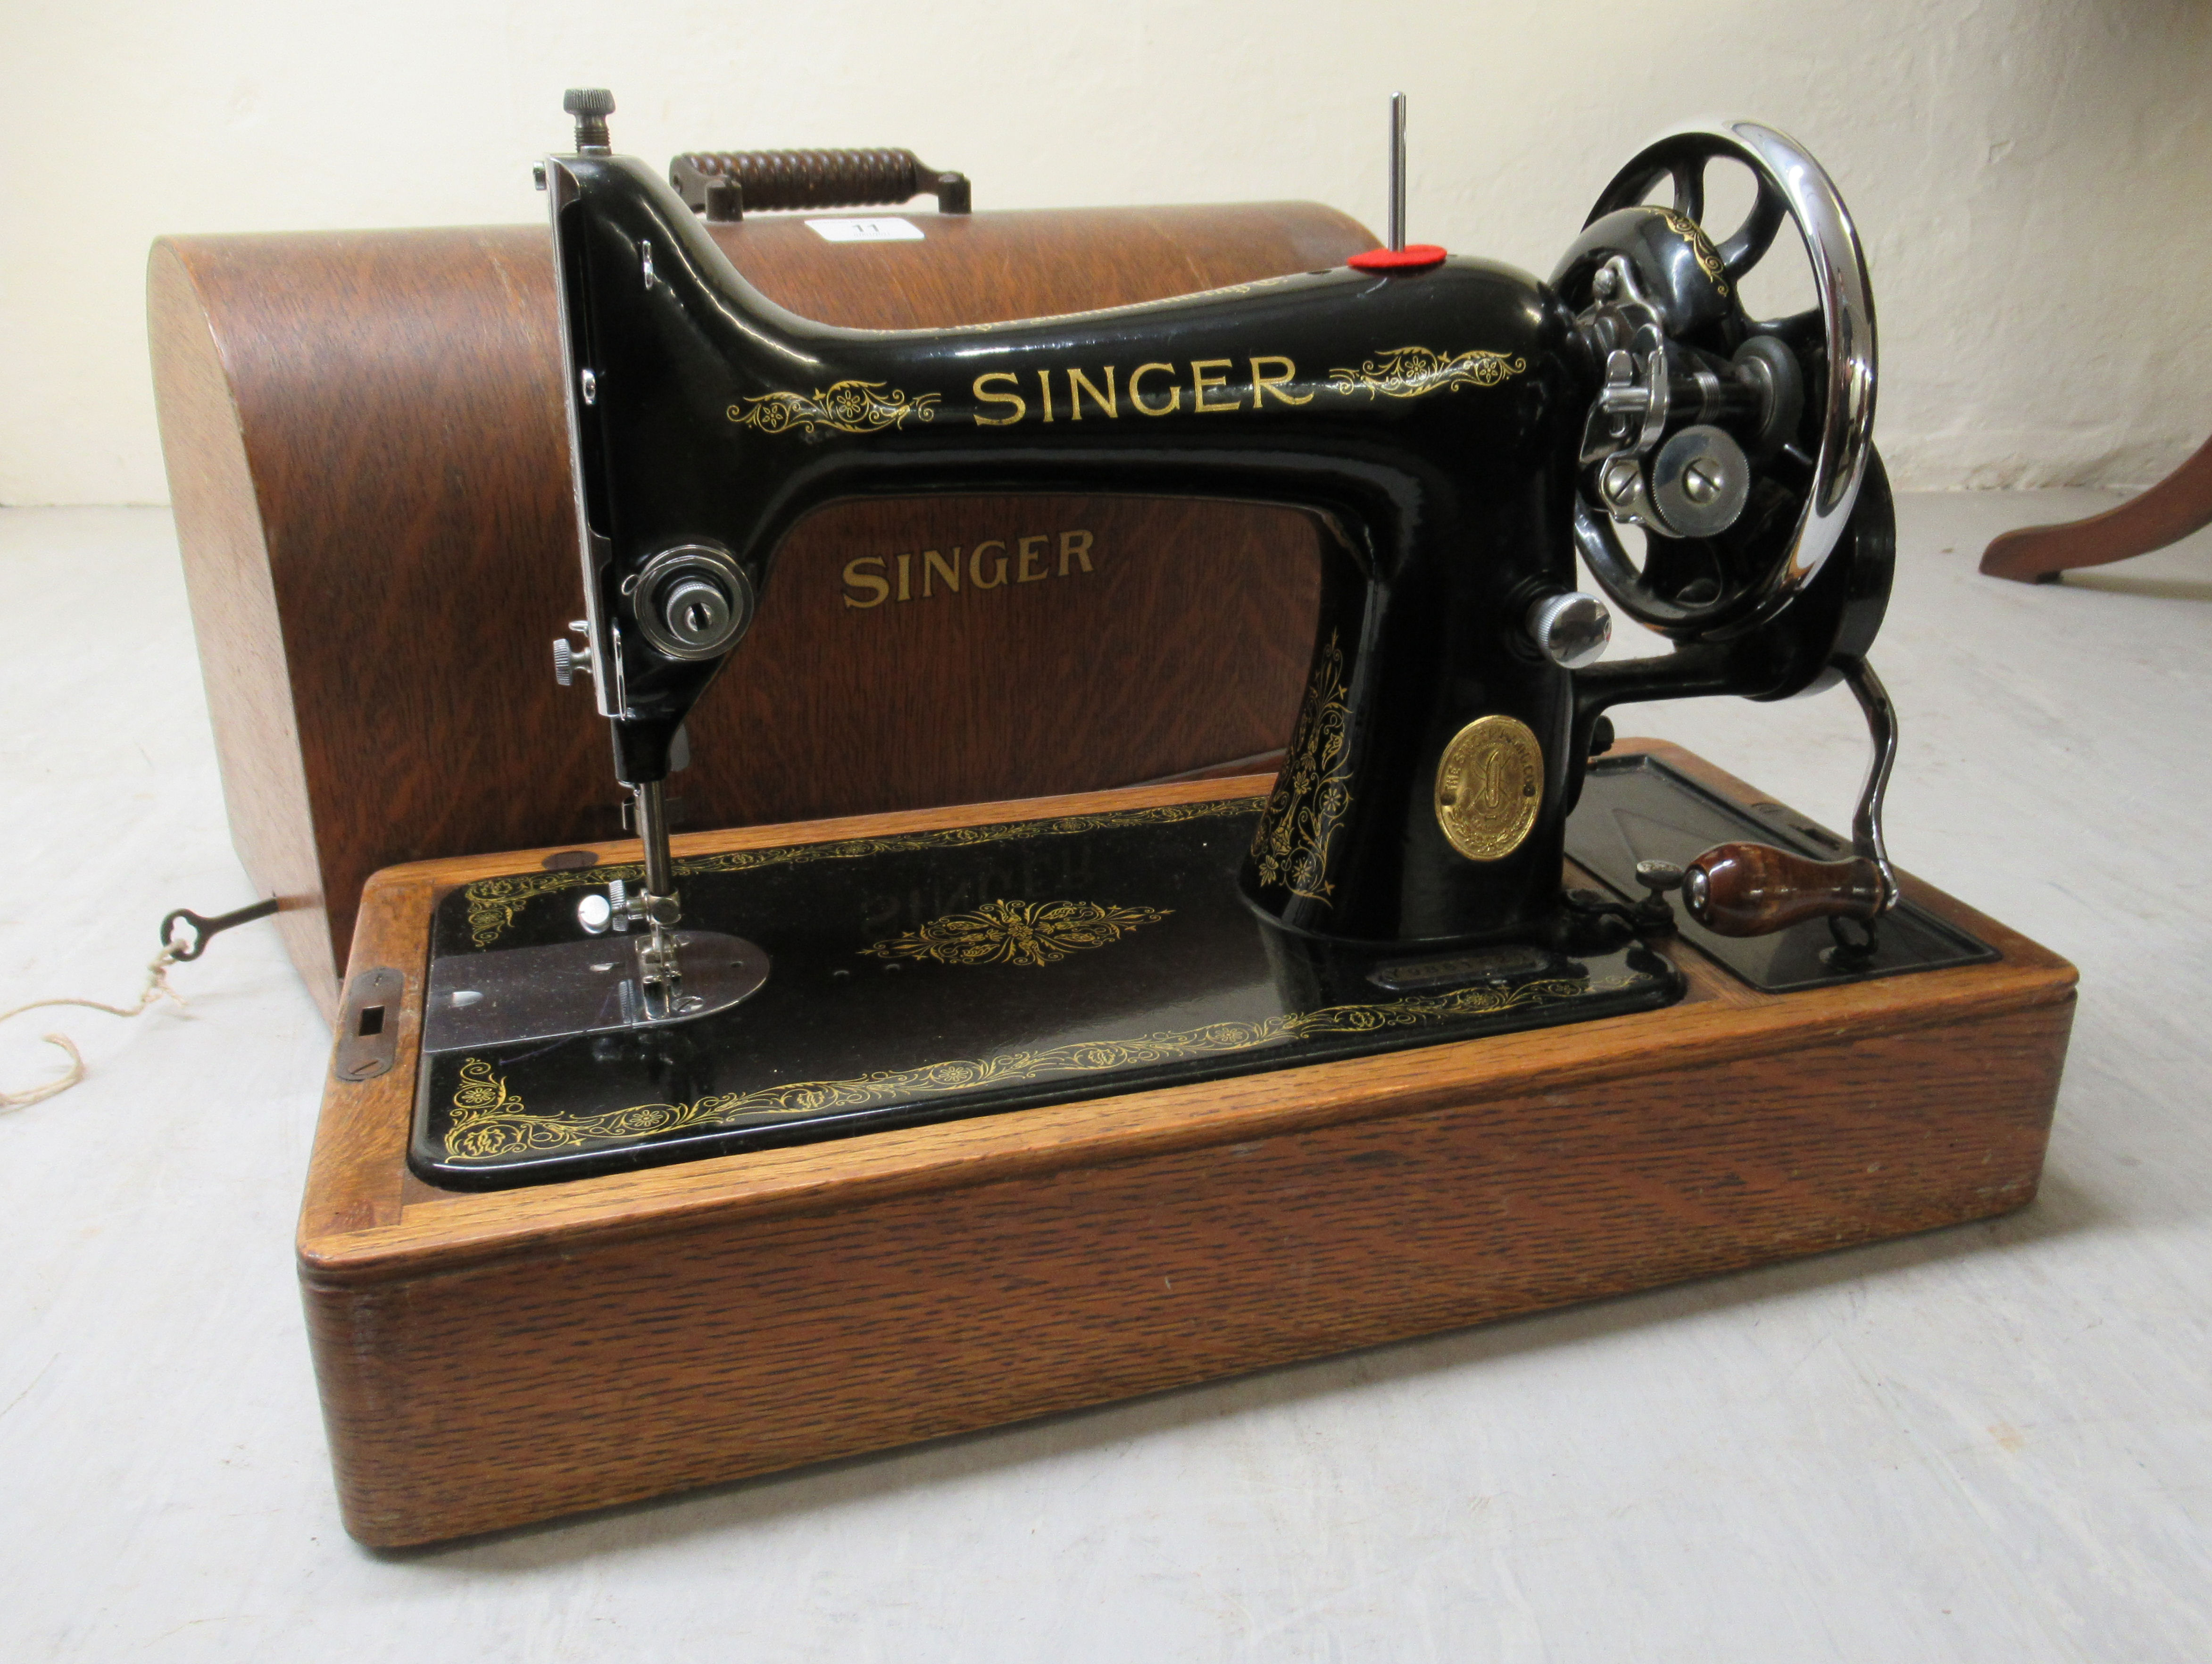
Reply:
x=850 y=407
x=1291 y=844
x=494 y=904
x=1412 y=372
x=490 y=1123
x=1701 y=246
x=1017 y=932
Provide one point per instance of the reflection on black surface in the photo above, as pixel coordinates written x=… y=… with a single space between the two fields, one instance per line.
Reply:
x=942 y=974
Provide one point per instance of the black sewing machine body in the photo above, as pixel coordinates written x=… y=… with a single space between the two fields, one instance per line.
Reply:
x=1461 y=430
x=1431 y=417
x=1421 y=414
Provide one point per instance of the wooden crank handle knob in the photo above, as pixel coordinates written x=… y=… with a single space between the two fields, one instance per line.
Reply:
x=1752 y=888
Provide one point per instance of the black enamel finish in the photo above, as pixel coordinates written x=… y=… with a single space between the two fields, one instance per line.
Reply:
x=849 y=1036
x=1838 y=617
x=839 y=1012
x=1450 y=508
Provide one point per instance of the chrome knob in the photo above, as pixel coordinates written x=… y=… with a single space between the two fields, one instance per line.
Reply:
x=692 y=601
x=594 y=913
x=1699 y=480
x=696 y=613
x=1570 y=628
x=569 y=660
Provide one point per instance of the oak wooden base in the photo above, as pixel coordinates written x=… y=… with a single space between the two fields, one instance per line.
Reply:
x=490 y=1359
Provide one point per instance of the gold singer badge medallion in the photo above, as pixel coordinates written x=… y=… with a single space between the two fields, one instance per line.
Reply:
x=1489 y=785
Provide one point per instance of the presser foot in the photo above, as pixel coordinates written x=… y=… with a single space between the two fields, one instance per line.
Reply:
x=661 y=978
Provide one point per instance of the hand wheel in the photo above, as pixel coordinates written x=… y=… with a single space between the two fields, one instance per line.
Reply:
x=1739 y=444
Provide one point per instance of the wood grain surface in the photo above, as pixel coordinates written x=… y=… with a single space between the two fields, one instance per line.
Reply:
x=235 y=619
x=487 y=1359
x=367 y=457
x=2166 y=513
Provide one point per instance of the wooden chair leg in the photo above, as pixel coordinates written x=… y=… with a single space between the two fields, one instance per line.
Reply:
x=2177 y=505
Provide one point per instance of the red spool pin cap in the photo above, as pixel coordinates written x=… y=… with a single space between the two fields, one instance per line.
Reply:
x=1414 y=257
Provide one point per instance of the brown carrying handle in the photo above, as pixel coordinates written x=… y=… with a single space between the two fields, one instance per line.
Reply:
x=724 y=184
x=1751 y=889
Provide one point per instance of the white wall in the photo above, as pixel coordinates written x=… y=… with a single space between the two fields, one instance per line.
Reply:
x=2033 y=177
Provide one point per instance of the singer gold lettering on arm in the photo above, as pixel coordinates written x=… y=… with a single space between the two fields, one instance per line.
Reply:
x=1215 y=386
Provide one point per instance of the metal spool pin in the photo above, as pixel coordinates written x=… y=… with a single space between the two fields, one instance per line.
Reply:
x=1397 y=170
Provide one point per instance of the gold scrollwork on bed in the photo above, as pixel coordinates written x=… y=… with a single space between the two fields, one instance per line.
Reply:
x=494 y=904
x=1017 y=932
x=490 y=1123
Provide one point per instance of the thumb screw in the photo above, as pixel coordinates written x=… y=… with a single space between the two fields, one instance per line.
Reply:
x=591 y=106
x=1652 y=913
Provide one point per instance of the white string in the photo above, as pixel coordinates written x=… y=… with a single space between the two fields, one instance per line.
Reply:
x=157 y=986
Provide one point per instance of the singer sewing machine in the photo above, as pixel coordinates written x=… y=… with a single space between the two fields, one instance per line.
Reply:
x=1462 y=430
x=1341 y=973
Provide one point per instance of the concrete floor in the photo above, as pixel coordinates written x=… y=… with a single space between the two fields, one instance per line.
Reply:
x=1988 y=1444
